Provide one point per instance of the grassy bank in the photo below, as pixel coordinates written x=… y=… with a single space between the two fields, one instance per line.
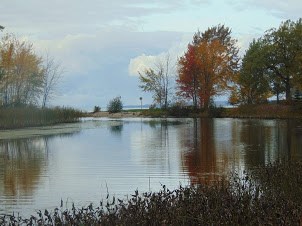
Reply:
x=169 y=112
x=279 y=111
x=12 y=118
x=270 y=195
x=264 y=111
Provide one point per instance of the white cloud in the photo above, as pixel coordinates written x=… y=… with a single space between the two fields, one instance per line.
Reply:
x=141 y=63
x=174 y=51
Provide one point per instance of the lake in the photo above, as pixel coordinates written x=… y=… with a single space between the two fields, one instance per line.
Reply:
x=81 y=163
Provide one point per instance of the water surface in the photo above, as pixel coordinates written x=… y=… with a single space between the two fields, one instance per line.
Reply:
x=80 y=163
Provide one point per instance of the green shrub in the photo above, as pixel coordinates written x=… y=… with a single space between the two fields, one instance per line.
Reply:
x=115 y=105
x=96 y=109
x=177 y=110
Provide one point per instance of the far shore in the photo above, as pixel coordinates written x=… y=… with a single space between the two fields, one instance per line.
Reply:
x=106 y=114
x=271 y=111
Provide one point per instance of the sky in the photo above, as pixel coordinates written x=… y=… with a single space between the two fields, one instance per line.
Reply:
x=101 y=44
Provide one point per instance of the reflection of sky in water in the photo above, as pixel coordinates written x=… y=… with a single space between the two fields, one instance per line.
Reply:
x=124 y=155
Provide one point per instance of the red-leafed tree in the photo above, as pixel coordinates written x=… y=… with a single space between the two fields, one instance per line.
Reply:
x=209 y=64
x=188 y=72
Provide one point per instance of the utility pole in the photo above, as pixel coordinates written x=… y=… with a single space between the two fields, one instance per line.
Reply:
x=141 y=99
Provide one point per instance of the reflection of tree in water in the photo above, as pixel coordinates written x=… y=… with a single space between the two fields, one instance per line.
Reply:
x=248 y=143
x=266 y=141
x=156 y=148
x=294 y=139
x=156 y=143
x=201 y=159
x=162 y=123
x=22 y=161
x=255 y=136
x=116 y=127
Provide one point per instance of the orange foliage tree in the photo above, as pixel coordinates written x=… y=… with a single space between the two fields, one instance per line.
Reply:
x=21 y=72
x=208 y=66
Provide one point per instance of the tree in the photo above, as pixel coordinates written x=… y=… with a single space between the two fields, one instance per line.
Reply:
x=21 y=74
x=223 y=35
x=25 y=78
x=115 y=105
x=188 y=72
x=1 y=28
x=157 y=81
x=284 y=55
x=52 y=73
x=253 y=81
x=215 y=73
x=214 y=64
x=272 y=65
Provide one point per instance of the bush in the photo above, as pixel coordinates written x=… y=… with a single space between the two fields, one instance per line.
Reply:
x=115 y=105
x=178 y=110
x=216 y=112
x=96 y=109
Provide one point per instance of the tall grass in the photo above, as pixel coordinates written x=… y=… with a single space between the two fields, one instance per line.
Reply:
x=270 y=195
x=11 y=118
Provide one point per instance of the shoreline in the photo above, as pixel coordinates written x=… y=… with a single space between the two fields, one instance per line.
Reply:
x=106 y=114
x=139 y=114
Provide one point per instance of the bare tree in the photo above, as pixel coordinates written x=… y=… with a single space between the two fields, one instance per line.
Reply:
x=157 y=81
x=52 y=74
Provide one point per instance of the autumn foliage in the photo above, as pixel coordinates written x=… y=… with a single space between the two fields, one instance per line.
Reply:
x=188 y=75
x=208 y=66
x=25 y=77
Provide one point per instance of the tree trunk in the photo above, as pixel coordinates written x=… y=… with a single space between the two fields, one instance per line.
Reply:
x=287 y=91
x=194 y=101
x=278 y=99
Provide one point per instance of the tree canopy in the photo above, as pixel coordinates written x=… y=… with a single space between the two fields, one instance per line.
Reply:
x=208 y=66
x=25 y=77
x=157 y=81
x=284 y=54
x=253 y=83
x=115 y=105
x=272 y=65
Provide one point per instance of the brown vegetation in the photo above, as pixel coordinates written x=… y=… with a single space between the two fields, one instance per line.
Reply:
x=264 y=111
x=261 y=197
